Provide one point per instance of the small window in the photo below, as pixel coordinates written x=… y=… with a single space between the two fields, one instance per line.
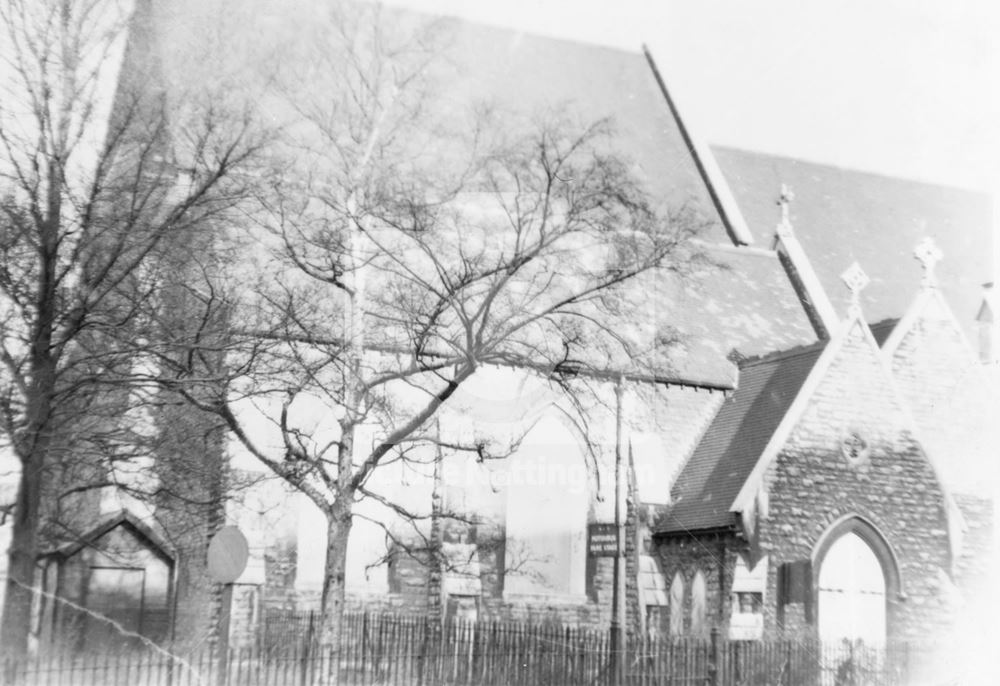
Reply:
x=658 y=621
x=748 y=602
x=698 y=604
x=747 y=621
x=677 y=605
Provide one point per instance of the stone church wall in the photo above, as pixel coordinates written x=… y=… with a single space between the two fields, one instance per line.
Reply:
x=715 y=557
x=411 y=588
x=953 y=398
x=813 y=483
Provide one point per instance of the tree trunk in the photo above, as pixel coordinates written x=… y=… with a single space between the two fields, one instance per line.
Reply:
x=33 y=448
x=33 y=444
x=326 y=660
x=23 y=554
x=335 y=573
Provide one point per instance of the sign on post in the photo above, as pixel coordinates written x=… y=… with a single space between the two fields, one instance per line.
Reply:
x=228 y=553
x=602 y=540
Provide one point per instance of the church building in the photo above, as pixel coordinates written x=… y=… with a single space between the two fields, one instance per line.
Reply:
x=811 y=504
x=815 y=455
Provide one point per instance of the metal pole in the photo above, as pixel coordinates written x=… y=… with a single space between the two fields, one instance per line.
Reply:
x=713 y=658
x=225 y=619
x=618 y=589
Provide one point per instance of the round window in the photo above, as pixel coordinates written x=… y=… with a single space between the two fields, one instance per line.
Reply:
x=855 y=447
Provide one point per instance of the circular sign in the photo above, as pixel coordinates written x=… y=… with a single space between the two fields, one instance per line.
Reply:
x=228 y=553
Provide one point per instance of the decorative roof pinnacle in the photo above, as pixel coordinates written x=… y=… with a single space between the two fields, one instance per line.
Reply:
x=928 y=254
x=784 y=202
x=856 y=280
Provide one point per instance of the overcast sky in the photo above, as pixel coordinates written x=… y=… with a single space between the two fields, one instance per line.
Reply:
x=902 y=87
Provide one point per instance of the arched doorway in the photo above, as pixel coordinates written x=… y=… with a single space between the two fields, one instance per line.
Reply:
x=857 y=578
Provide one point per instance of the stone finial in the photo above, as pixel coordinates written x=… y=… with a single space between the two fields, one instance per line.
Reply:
x=986 y=320
x=928 y=254
x=784 y=202
x=856 y=280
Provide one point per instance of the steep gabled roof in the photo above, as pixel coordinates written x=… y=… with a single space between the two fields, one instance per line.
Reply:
x=704 y=492
x=473 y=65
x=537 y=73
x=949 y=392
x=126 y=519
x=843 y=215
x=746 y=303
x=726 y=473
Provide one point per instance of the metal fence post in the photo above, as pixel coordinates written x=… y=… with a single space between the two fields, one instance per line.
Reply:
x=307 y=650
x=713 y=658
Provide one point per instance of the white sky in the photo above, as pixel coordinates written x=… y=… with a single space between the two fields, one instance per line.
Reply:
x=902 y=87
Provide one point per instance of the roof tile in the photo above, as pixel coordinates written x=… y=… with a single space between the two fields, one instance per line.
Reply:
x=842 y=215
x=733 y=443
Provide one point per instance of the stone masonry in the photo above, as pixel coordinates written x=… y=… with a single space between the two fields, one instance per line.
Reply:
x=812 y=485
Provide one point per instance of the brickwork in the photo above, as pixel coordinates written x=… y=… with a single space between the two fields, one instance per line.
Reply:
x=245 y=615
x=411 y=586
x=412 y=598
x=279 y=574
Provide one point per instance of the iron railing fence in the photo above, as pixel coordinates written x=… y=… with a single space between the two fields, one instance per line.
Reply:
x=392 y=650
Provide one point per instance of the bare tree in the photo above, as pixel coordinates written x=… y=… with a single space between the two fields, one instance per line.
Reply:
x=99 y=188
x=404 y=246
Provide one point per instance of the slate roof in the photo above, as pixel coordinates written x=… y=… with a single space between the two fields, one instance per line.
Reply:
x=476 y=65
x=741 y=301
x=734 y=441
x=882 y=330
x=841 y=215
x=746 y=303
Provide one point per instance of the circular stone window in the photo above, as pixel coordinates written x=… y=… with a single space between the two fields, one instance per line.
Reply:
x=855 y=448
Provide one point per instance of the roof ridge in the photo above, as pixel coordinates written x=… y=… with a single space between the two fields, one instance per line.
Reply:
x=754 y=250
x=887 y=321
x=486 y=24
x=853 y=170
x=787 y=353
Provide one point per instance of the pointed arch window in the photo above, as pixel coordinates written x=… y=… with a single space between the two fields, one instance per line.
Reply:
x=677 y=605
x=698 y=604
